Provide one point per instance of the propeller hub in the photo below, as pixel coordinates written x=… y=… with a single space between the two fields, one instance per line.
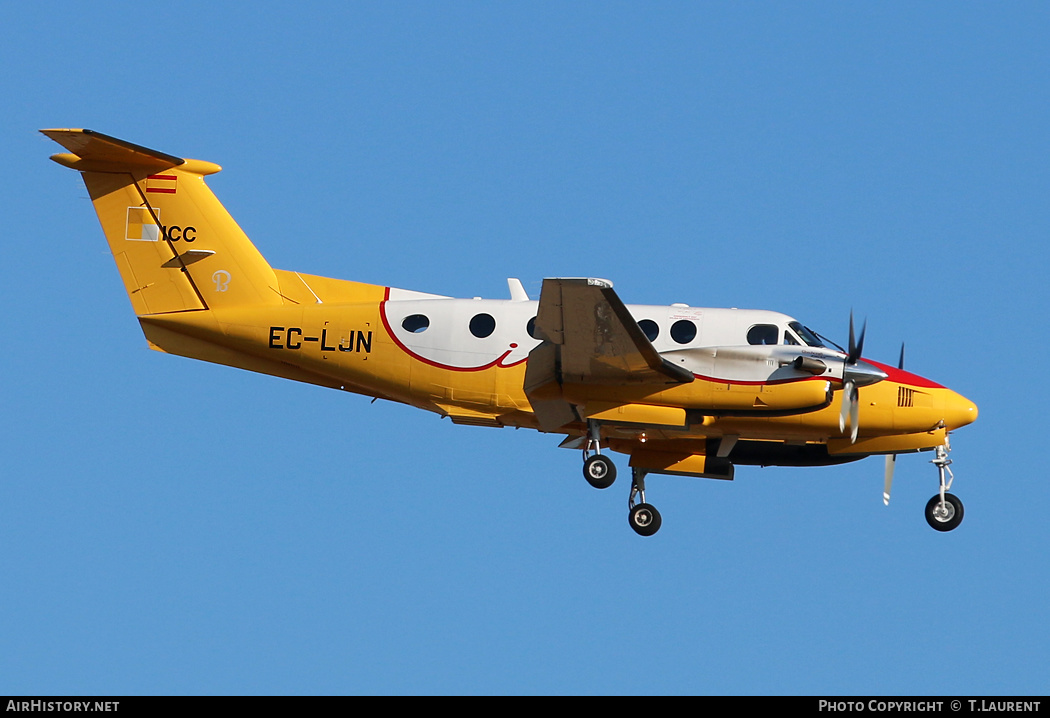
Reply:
x=862 y=374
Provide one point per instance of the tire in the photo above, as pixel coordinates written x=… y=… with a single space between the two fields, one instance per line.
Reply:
x=600 y=471
x=946 y=518
x=645 y=519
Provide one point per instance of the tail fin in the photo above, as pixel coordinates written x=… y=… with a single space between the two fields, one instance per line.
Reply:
x=176 y=246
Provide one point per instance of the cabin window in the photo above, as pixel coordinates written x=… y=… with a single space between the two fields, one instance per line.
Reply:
x=650 y=328
x=763 y=334
x=531 y=328
x=482 y=325
x=683 y=331
x=415 y=323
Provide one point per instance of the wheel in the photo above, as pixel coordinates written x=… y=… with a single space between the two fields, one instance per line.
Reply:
x=946 y=516
x=644 y=519
x=599 y=471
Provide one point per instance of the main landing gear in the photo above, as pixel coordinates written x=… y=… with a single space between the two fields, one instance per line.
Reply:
x=600 y=472
x=644 y=518
x=944 y=511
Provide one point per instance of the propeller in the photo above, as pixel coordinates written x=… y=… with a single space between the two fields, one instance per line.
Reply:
x=850 y=394
x=891 y=459
x=855 y=373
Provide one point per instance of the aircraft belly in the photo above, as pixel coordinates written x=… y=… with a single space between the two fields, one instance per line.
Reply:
x=771 y=453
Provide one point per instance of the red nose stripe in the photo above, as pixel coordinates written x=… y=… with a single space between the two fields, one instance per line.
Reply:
x=899 y=376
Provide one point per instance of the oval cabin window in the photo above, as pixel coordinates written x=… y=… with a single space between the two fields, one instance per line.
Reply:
x=482 y=325
x=683 y=331
x=415 y=323
x=650 y=329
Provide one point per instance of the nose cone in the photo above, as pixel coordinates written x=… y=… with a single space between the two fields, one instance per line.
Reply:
x=958 y=411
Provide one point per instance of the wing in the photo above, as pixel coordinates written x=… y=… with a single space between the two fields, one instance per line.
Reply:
x=589 y=339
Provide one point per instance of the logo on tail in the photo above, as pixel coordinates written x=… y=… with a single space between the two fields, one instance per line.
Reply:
x=222 y=280
x=141 y=226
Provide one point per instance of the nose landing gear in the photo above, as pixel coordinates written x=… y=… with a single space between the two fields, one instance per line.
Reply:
x=944 y=511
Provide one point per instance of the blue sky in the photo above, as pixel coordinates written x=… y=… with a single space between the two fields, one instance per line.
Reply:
x=170 y=526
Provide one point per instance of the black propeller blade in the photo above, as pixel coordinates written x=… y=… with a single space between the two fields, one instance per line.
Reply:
x=855 y=374
x=855 y=346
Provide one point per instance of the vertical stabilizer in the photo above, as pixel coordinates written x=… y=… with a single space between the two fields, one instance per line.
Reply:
x=175 y=245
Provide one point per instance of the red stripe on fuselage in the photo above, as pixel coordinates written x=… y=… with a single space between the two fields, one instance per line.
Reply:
x=762 y=382
x=899 y=376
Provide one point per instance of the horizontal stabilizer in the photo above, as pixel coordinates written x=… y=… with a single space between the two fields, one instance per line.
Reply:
x=96 y=152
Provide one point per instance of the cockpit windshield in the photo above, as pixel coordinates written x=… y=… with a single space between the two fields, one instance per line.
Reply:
x=806 y=334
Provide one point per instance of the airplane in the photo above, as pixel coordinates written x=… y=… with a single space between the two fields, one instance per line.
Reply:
x=681 y=390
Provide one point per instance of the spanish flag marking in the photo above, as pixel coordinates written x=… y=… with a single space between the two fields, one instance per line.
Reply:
x=164 y=184
x=141 y=227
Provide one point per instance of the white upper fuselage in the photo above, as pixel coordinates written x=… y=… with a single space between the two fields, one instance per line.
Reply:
x=470 y=334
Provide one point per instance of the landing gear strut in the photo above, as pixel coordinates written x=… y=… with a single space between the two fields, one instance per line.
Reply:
x=644 y=518
x=599 y=470
x=944 y=511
